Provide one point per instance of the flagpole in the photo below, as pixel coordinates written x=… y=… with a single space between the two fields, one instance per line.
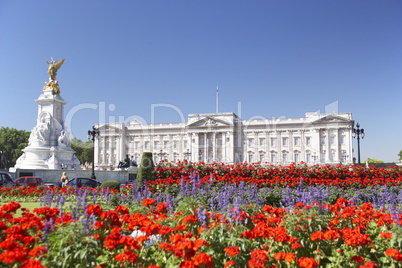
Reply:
x=217 y=99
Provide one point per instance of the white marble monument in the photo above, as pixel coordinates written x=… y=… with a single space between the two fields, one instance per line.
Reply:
x=49 y=144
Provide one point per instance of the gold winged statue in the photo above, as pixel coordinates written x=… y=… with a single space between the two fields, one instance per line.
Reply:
x=52 y=71
x=53 y=67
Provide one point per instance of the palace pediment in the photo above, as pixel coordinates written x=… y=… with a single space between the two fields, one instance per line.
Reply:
x=331 y=119
x=109 y=128
x=209 y=122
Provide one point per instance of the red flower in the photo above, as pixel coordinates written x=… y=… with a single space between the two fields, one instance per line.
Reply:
x=126 y=256
x=289 y=257
x=36 y=252
x=392 y=252
x=230 y=263
x=369 y=264
x=190 y=219
x=232 y=250
x=94 y=209
x=307 y=262
x=358 y=259
x=148 y=202
x=203 y=258
x=32 y=263
x=386 y=235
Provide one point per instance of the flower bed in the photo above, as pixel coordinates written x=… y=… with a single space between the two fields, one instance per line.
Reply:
x=339 y=235
x=199 y=221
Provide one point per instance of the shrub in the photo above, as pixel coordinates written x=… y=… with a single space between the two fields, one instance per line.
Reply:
x=111 y=185
x=147 y=169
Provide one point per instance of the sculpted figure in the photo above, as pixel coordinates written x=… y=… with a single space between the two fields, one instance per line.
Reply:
x=53 y=67
x=40 y=133
x=64 y=139
x=125 y=163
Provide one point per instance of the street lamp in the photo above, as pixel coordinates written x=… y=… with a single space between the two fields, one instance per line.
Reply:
x=160 y=154
x=315 y=156
x=187 y=155
x=357 y=132
x=92 y=135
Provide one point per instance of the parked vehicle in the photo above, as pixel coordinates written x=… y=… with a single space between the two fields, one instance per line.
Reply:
x=84 y=182
x=30 y=181
x=6 y=179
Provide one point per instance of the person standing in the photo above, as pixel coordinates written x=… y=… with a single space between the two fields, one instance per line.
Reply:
x=64 y=179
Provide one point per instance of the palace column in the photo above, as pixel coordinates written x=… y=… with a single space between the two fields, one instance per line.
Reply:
x=205 y=147
x=214 y=147
x=327 y=143
x=337 y=146
x=229 y=148
x=316 y=145
x=224 y=151
x=256 y=146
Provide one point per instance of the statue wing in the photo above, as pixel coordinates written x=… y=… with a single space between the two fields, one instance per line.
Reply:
x=59 y=64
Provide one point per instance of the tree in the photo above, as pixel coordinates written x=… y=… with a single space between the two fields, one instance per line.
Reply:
x=146 y=170
x=12 y=141
x=83 y=150
x=400 y=155
x=373 y=161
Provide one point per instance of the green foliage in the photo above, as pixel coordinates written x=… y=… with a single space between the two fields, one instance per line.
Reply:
x=70 y=246
x=373 y=161
x=111 y=185
x=83 y=150
x=146 y=170
x=400 y=155
x=12 y=141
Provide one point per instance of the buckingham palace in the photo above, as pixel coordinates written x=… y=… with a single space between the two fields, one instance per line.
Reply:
x=224 y=137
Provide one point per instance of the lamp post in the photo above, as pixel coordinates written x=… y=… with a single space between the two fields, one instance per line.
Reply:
x=92 y=135
x=187 y=155
x=160 y=154
x=315 y=157
x=358 y=132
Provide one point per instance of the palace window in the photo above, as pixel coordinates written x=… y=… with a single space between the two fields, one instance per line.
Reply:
x=323 y=140
x=342 y=140
x=174 y=158
x=219 y=142
x=284 y=141
x=147 y=145
x=323 y=157
x=297 y=141
x=250 y=158
x=332 y=140
x=308 y=157
x=297 y=158
x=308 y=141
x=137 y=144
x=262 y=141
x=165 y=144
x=185 y=144
x=273 y=157
x=250 y=142
x=285 y=157
x=273 y=142
x=262 y=158
x=155 y=145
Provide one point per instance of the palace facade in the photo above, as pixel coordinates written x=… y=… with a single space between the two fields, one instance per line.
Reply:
x=224 y=137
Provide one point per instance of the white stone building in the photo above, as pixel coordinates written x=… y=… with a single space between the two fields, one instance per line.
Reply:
x=224 y=137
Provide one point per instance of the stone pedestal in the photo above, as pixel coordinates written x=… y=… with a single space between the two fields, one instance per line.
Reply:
x=49 y=143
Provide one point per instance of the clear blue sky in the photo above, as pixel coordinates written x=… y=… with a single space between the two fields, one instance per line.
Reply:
x=278 y=58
